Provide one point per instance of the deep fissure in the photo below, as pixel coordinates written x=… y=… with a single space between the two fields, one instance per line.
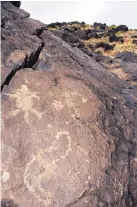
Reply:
x=28 y=63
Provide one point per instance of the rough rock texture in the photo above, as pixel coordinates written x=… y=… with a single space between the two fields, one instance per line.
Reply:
x=69 y=125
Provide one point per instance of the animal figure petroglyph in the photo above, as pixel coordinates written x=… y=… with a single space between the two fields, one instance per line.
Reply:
x=46 y=169
x=48 y=162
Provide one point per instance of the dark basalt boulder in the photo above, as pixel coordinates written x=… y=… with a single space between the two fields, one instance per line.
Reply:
x=74 y=22
x=134 y=36
x=91 y=34
x=16 y=3
x=82 y=24
x=114 y=38
x=56 y=25
x=81 y=34
x=127 y=57
x=106 y=46
x=134 y=42
x=122 y=28
x=94 y=33
x=100 y=25
x=111 y=32
x=70 y=38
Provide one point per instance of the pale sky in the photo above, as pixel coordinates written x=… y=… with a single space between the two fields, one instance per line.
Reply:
x=110 y=12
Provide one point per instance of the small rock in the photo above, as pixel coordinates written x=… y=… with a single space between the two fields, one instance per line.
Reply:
x=70 y=38
x=114 y=38
x=81 y=34
x=134 y=36
x=82 y=24
x=92 y=35
x=74 y=22
x=105 y=46
x=134 y=42
x=127 y=57
x=112 y=31
x=100 y=25
x=122 y=28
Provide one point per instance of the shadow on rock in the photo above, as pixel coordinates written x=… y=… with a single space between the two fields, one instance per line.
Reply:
x=8 y=203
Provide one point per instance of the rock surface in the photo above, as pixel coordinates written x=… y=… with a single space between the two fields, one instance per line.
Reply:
x=69 y=125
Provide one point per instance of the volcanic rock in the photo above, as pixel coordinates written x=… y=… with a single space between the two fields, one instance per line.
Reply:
x=134 y=36
x=69 y=135
x=122 y=28
x=56 y=25
x=16 y=3
x=111 y=31
x=134 y=42
x=13 y=12
x=81 y=34
x=100 y=25
x=105 y=46
x=114 y=38
x=70 y=38
x=127 y=57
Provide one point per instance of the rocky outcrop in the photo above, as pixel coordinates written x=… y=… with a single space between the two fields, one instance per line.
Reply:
x=69 y=133
x=96 y=38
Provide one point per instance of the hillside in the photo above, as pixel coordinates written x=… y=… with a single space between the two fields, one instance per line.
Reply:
x=99 y=38
x=69 y=114
x=106 y=44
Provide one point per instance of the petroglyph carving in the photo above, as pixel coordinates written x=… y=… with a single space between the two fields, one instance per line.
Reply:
x=49 y=162
x=5 y=176
x=24 y=102
x=46 y=167
x=58 y=105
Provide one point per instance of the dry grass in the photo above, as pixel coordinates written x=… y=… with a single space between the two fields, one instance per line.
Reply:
x=119 y=47
x=84 y=27
x=133 y=83
x=112 y=26
x=96 y=40
x=87 y=26
x=129 y=33
x=53 y=29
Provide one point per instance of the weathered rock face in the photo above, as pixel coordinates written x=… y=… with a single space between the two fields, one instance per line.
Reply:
x=69 y=135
